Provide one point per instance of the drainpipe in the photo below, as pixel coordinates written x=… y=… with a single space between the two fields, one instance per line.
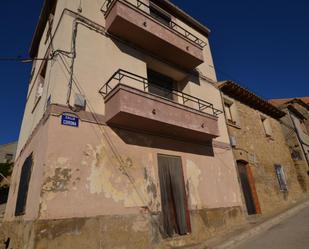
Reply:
x=300 y=140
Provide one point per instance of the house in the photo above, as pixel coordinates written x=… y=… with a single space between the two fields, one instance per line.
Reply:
x=124 y=141
x=7 y=152
x=295 y=125
x=266 y=171
x=7 y=155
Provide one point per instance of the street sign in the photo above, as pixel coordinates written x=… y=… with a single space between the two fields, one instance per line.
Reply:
x=69 y=120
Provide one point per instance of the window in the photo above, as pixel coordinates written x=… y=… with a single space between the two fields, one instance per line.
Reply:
x=159 y=14
x=296 y=155
x=160 y=84
x=266 y=126
x=230 y=112
x=40 y=83
x=281 y=178
x=50 y=26
x=23 y=186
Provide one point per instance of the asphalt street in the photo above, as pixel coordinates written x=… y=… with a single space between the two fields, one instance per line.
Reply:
x=292 y=233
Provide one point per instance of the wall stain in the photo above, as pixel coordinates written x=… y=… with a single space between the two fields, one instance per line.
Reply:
x=193 y=182
x=119 y=182
x=59 y=181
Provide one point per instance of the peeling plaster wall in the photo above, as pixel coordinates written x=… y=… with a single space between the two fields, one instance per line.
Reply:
x=84 y=167
x=78 y=177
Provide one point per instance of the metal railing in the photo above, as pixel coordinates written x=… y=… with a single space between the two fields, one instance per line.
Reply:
x=174 y=26
x=122 y=77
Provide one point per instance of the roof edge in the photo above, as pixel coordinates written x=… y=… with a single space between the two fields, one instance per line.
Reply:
x=249 y=98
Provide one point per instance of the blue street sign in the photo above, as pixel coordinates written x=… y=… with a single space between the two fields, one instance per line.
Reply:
x=69 y=120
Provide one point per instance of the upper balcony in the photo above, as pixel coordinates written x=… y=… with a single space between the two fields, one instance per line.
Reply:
x=151 y=28
x=133 y=102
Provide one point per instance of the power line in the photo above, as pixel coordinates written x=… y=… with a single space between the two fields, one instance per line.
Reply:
x=21 y=59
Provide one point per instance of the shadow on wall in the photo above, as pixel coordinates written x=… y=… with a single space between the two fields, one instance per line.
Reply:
x=180 y=76
x=152 y=141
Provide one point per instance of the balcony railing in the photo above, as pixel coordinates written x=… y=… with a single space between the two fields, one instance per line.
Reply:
x=174 y=26
x=122 y=77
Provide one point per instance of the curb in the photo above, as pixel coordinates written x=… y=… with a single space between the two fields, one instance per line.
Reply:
x=259 y=229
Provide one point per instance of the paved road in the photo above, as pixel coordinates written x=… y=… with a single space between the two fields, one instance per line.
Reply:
x=289 y=234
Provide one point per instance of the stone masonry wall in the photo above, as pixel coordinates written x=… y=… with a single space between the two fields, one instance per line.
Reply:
x=262 y=152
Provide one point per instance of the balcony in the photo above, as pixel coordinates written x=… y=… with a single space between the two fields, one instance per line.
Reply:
x=130 y=105
x=157 y=33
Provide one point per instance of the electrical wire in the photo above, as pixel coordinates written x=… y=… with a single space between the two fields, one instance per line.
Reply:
x=21 y=59
x=103 y=133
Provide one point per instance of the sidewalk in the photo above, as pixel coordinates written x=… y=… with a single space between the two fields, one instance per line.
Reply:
x=239 y=236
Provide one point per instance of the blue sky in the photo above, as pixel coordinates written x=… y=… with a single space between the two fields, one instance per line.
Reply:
x=263 y=45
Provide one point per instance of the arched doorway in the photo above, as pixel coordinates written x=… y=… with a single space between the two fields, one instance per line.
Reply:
x=248 y=188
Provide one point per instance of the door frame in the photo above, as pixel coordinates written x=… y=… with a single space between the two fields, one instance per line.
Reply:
x=252 y=186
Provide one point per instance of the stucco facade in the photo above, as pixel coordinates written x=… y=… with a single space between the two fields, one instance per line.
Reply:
x=259 y=143
x=103 y=174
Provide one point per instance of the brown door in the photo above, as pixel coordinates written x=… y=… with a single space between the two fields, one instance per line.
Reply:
x=176 y=218
x=248 y=188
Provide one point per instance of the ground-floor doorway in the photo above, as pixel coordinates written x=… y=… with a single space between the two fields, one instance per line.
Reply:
x=176 y=218
x=248 y=188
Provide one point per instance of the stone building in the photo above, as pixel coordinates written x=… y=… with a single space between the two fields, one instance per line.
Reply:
x=265 y=168
x=7 y=152
x=295 y=125
x=123 y=141
x=7 y=155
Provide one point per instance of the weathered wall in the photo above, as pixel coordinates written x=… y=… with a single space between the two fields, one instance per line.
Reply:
x=295 y=143
x=38 y=145
x=114 y=232
x=262 y=153
x=82 y=166
x=303 y=136
x=78 y=167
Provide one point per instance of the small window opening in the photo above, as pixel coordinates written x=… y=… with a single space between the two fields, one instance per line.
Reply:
x=229 y=114
x=281 y=178
x=296 y=155
x=50 y=27
x=159 y=14
x=160 y=84
x=40 y=83
x=266 y=126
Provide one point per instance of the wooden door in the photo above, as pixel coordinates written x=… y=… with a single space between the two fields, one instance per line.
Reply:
x=176 y=218
x=248 y=188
